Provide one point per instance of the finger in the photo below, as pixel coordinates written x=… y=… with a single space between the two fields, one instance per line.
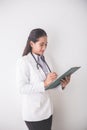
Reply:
x=69 y=77
x=54 y=73
x=63 y=84
x=63 y=81
x=66 y=79
x=53 y=77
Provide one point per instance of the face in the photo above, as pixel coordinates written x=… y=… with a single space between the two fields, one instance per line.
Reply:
x=39 y=46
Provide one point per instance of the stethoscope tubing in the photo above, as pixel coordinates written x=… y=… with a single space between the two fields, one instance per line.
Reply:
x=38 y=65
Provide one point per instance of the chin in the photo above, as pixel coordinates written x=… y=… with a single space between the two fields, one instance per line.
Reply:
x=42 y=52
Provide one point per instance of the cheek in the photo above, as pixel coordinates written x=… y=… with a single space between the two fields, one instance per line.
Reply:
x=38 y=48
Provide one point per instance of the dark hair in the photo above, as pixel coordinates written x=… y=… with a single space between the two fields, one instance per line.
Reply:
x=34 y=35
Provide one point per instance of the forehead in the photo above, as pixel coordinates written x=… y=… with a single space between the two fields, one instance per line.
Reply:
x=42 y=39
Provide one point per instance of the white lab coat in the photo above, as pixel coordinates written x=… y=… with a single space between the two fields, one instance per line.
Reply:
x=36 y=103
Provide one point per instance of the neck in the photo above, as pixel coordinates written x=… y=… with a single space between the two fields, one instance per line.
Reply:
x=36 y=53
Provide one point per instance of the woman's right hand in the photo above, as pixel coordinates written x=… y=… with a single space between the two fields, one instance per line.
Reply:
x=50 y=78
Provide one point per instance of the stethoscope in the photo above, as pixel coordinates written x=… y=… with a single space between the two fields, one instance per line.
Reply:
x=39 y=65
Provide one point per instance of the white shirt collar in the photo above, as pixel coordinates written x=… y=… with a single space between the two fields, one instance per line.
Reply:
x=36 y=56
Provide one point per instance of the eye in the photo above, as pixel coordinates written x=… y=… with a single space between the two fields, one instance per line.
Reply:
x=42 y=44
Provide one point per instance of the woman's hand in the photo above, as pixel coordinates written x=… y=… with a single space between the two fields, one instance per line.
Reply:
x=65 y=81
x=50 y=78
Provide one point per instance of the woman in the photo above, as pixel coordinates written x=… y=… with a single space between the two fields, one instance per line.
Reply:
x=33 y=76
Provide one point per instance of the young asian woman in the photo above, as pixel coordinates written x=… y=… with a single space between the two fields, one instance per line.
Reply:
x=33 y=76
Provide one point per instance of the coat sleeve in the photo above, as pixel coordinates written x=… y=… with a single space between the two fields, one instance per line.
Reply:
x=23 y=79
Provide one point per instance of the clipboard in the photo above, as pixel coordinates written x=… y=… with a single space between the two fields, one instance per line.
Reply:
x=58 y=80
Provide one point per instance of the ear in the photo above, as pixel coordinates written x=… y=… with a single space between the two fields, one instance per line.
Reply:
x=31 y=43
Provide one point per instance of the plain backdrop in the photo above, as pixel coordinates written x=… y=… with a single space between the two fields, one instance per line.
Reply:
x=65 y=22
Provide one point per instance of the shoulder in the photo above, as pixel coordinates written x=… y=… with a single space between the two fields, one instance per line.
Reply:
x=23 y=61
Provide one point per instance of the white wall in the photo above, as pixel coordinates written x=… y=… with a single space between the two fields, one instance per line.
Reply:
x=66 y=25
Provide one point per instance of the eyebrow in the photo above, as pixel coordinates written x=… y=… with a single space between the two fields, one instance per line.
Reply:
x=43 y=43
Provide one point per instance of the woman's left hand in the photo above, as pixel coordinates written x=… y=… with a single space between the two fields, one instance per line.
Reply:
x=65 y=81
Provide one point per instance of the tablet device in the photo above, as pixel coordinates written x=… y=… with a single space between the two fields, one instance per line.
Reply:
x=58 y=80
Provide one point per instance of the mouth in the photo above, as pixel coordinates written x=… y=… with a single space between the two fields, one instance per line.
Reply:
x=42 y=51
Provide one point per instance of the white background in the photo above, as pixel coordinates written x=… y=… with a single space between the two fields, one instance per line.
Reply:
x=66 y=25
